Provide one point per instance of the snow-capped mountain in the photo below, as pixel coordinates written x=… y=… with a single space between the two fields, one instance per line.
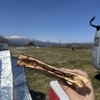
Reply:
x=16 y=40
x=20 y=41
x=14 y=37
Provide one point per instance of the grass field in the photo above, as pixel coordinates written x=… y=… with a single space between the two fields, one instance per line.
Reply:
x=39 y=84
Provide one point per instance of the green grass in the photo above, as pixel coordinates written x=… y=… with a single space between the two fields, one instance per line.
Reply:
x=39 y=84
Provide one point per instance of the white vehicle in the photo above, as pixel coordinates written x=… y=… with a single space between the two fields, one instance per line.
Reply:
x=96 y=46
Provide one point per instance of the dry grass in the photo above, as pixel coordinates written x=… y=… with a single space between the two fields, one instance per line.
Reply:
x=39 y=84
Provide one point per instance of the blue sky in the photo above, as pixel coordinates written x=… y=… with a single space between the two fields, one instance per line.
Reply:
x=53 y=20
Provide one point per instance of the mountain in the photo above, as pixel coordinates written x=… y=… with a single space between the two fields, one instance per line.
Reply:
x=16 y=40
x=20 y=41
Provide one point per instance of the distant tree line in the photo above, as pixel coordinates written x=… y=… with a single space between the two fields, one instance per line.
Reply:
x=79 y=47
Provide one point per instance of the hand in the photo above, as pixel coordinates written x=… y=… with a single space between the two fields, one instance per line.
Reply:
x=74 y=93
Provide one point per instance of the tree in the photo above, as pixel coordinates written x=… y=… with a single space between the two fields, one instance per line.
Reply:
x=31 y=43
x=3 y=40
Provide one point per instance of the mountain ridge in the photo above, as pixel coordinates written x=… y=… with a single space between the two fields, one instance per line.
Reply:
x=16 y=40
x=20 y=41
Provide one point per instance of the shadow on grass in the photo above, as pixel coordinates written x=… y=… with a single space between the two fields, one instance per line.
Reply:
x=37 y=95
x=97 y=76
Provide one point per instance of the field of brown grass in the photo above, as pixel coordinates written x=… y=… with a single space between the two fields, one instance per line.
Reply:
x=39 y=84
